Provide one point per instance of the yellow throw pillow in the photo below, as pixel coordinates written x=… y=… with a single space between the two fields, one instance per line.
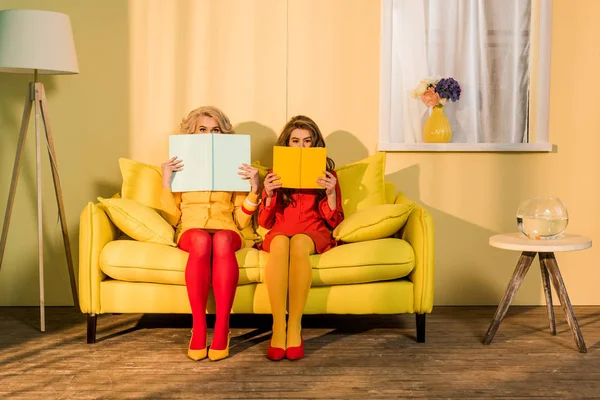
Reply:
x=262 y=232
x=372 y=223
x=262 y=170
x=138 y=221
x=249 y=233
x=141 y=182
x=362 y=184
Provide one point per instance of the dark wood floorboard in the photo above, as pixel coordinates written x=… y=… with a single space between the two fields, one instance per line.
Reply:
x=347 y=357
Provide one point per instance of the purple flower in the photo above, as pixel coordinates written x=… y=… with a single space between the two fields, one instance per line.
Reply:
x=448 y=88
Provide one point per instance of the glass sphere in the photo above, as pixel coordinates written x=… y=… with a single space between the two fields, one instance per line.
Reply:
x=542 y=217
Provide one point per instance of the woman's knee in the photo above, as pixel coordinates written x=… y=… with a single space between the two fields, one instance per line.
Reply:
x=300 y=245
x=226 y=241
x=195 y=240
x=280 y=244
x=281 y=240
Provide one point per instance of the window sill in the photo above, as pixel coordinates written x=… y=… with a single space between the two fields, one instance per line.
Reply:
x=468 y=147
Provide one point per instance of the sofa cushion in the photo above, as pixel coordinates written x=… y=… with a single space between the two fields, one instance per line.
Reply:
x=138 y=221
x=133 y=261
x=362 y=183
x=372 y=223
x=372 y=261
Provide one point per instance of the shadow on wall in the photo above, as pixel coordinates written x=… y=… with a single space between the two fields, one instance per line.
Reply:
x=345 y=148
x=107 y=188
x=342 y=146
x=463 y=257
x=263 y=139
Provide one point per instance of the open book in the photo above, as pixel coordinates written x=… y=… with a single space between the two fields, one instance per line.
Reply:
x=210 y=162
x=299 y=167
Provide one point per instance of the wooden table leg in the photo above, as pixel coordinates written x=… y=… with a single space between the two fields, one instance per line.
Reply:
x=548 y=294
x=551 y=265
x=518 y=276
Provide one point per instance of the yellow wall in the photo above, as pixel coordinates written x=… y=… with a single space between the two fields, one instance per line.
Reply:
x=90 y=119
x=146 y=63
x=228 y=53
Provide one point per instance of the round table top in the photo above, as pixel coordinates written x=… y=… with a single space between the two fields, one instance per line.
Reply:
x=520 y=242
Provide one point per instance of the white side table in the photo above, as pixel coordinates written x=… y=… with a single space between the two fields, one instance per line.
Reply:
x=549 y=267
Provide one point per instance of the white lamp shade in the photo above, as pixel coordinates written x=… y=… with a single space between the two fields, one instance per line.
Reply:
x=33 y=39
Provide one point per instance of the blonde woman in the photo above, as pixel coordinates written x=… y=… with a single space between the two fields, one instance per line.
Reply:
x=208 y=226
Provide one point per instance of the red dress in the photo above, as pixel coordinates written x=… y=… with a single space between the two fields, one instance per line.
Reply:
x=304 y=215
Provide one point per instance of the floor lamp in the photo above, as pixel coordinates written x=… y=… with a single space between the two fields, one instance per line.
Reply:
x=38 y=42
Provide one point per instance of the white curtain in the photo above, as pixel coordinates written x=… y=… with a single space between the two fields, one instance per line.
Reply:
x=484 y=45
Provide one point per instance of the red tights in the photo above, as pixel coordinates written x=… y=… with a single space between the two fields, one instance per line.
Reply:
x=225 y=273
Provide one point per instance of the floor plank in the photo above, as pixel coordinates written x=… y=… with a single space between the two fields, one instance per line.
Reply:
x=347 y=357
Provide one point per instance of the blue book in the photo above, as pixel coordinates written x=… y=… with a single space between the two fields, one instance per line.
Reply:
x=210 y=162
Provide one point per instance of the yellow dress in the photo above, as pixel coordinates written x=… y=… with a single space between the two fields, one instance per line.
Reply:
x=208 y=210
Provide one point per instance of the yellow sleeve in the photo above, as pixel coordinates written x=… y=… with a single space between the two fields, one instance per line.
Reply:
x=244 y=206
x=170 y=206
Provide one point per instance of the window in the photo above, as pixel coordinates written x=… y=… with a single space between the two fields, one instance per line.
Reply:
x=498 y=51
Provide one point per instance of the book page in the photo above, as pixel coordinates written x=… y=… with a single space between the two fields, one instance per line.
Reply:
x=312 y=166
x=196 y=152
x=230 y=151
x=286 y=164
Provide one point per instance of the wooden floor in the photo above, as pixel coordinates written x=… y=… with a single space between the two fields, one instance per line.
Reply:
x=347 y=357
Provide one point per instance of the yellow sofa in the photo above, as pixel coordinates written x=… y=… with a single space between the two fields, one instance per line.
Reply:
x=389 y=275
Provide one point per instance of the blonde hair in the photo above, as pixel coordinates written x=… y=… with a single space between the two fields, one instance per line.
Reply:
x=190 y=124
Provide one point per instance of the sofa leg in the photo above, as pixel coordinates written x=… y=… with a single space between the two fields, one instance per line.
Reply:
x=91 y=328
x=420 y=328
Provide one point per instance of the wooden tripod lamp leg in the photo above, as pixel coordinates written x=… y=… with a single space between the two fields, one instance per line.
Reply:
x=16 y=169
x=32 y=97
x=38 y=173
x=58 y=191
x=36 y=98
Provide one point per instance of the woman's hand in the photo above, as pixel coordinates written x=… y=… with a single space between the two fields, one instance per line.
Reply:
x=250 y=173
x=168 y=167
x=328 y=182
x=272 y=183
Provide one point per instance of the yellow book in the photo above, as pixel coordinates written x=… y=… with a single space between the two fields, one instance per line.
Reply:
x=299 y=167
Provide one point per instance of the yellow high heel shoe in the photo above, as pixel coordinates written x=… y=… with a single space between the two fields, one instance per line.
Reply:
x=197 y=355
x=216 y=355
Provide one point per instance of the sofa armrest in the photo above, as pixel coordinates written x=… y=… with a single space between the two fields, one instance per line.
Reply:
x=419 y=233
x=95 y=231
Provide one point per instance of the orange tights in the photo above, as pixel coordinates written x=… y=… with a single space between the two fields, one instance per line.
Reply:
x=288 y=272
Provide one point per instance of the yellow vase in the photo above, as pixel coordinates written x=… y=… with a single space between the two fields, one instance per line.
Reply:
x=437 y=128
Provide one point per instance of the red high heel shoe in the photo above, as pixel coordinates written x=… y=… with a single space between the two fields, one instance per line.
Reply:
x=295 y=353
x=275 y=353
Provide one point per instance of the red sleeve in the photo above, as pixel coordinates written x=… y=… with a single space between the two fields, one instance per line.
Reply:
x=333 y=217
x=266 y=214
